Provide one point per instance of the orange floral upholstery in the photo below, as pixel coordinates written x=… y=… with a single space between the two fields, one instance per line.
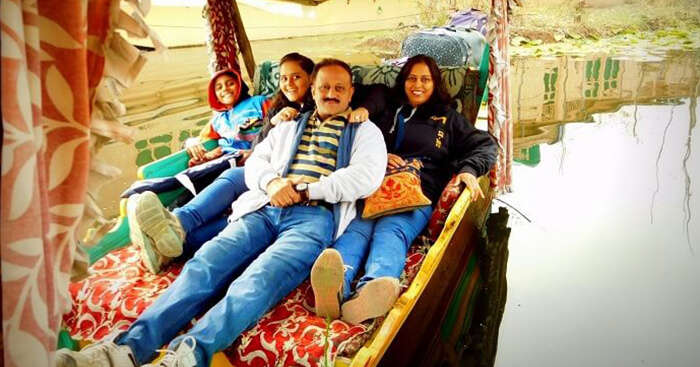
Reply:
x=400 y=192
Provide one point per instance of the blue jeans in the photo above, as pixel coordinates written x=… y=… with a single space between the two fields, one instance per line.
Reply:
x=352 y=246
x=392 y=236
x=284 y=243
x=203 y=217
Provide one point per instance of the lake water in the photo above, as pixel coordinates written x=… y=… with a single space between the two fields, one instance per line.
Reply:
x=604 y=266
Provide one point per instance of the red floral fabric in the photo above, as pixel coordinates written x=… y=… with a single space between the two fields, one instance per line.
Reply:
x=442 y=209
x=120 y=289
x=222 y=37
x=116 y=293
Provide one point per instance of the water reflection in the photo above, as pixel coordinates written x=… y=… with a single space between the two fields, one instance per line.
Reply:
x=686 y=157
x=602 y=271
x=658 y=161
x=593 y=85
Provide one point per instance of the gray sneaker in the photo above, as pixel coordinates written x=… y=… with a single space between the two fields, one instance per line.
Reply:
x=150 y=256
x=183 y=356
x=159 y=224
x=154 y=229
x=327 y=283
x=100 y=354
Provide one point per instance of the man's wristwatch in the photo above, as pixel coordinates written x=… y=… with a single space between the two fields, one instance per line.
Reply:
x=303 y=190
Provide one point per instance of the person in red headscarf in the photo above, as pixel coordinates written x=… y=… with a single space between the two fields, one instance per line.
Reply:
x=237 y=118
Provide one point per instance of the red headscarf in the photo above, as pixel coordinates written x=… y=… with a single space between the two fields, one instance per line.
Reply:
x=241 y=90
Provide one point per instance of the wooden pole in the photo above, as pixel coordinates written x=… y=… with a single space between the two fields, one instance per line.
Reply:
x=243 y=42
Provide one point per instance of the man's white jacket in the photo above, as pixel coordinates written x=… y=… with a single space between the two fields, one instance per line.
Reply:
x=361 y=177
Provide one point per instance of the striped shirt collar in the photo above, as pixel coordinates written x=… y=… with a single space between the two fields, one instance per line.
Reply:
x=343 y=116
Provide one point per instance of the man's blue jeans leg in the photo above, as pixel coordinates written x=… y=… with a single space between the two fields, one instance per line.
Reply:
x=303 y=232
x=205 y=276
x=391 y=238
x=213 y=201
x=352 y=246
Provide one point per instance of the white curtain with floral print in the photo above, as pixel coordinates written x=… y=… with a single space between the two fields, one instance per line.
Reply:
x=54 y=56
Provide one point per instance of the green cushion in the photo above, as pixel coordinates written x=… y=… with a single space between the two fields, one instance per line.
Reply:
x=462 y=83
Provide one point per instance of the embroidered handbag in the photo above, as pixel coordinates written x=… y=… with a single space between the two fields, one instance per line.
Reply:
x=400 y=192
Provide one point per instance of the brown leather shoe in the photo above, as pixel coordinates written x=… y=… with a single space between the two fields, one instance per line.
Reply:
x=374 y=299
x=327 y=282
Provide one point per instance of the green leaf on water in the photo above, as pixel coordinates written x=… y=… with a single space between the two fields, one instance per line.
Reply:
x=574 y=35
x=518 y=40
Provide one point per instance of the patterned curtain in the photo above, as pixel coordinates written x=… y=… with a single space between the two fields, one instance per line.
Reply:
x=499 y=119
x=222 y=37
x=52 y=60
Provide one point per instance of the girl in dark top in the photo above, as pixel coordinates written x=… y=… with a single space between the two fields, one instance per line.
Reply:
x=417 y=122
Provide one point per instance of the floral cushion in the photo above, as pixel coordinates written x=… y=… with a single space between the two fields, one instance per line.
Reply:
x=461 y=82
x=399 y=192
x=120 y=289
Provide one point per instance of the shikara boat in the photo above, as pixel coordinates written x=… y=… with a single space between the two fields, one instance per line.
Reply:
x=454 y=279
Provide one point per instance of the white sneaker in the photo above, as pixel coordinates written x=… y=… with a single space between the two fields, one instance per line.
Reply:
x=374 y=299
x=183 y=356
x=159 y=224
x=327 y=276
x=100 y=354
x=151 y=258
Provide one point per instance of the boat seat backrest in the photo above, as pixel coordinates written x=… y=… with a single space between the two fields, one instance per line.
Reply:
x=461 y=82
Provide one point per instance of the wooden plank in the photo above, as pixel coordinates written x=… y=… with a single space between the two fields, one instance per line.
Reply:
x=243 y=42
x=421 y=327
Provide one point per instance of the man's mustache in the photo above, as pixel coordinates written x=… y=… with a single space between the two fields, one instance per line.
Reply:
x=331 y=99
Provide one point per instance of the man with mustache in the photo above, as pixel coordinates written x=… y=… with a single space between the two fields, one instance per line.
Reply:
x=304 y=179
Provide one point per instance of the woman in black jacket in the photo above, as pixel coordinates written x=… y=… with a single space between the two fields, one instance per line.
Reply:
x=418 y=123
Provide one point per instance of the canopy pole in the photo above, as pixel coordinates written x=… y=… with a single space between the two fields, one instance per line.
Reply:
x=499 y=118
x=243 y=42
